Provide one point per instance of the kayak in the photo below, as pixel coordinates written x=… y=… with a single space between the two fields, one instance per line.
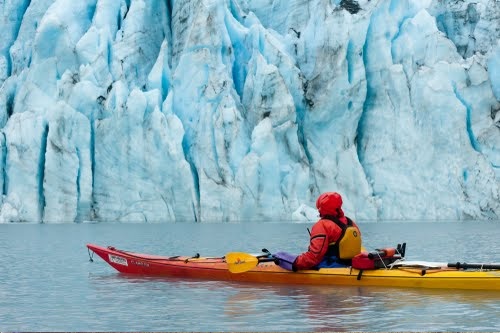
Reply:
x=250 y=268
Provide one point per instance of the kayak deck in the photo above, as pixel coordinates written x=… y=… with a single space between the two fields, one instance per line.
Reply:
x=216 y=268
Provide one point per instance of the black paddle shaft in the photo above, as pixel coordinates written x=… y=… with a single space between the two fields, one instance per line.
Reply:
x=465 y=265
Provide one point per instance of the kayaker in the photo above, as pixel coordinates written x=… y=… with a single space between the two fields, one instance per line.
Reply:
x=334 y=239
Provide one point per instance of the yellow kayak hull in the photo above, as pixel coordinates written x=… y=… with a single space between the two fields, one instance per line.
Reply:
x=270 y=273
x=439 y=278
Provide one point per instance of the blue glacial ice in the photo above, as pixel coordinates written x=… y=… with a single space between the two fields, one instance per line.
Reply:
x=246 y=110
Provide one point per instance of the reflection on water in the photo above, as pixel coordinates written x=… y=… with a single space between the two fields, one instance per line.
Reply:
x=48 y=284
x=359 y=308
x=237 y=306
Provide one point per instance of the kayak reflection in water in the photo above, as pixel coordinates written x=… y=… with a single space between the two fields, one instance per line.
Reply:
x=334 y=240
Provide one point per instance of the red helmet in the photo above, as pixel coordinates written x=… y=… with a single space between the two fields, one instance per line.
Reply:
x=330 y=203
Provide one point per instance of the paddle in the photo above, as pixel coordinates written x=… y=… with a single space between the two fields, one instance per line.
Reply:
x=431 y=264
x=239 y=262
x=465 y=265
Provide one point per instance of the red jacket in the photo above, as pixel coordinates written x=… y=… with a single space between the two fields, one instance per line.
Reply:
x=323 y=233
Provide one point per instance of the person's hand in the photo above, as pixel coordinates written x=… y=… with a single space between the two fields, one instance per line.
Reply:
x=285 y=260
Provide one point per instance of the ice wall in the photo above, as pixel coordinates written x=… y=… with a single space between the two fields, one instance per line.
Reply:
x=239 y=110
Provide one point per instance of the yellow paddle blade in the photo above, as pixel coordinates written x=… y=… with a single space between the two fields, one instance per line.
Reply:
x=239 y=262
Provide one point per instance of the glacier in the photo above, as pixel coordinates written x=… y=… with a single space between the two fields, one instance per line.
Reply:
x=246 y=110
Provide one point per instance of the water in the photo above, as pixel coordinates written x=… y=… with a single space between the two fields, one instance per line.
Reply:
x=47 y=282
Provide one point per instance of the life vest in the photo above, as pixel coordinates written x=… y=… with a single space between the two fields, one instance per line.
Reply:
x=349 y=243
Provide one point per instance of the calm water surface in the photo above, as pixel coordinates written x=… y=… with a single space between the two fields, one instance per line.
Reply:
x=47 y=282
